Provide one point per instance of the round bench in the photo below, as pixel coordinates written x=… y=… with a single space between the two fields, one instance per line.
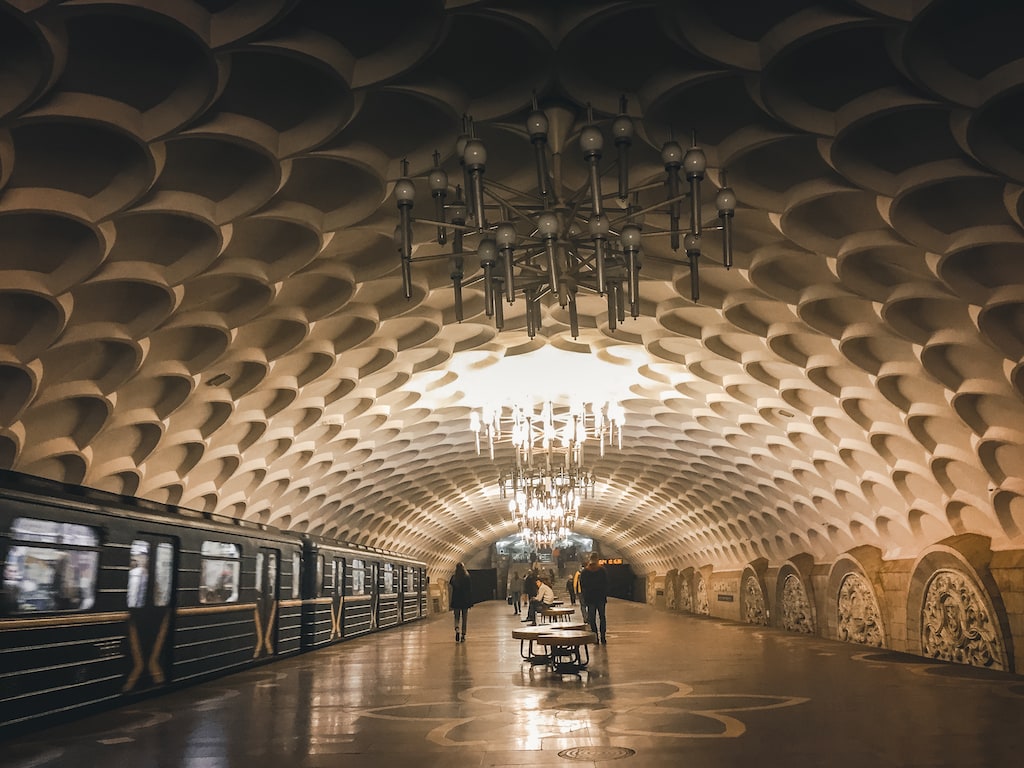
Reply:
x=564 y=654
x=556 y=614
x=527 y=636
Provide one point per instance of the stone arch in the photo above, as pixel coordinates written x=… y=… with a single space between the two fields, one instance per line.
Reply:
x=794 y=596
x=701 y=601
x=672 y=590
x=754 y=607
x=852 y=611
x=954 y=608
x=687 y=600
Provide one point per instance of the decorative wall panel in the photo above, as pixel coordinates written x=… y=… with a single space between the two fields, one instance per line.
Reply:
x=858 y=617
x=796 y=608
x=956 y=624
x=755 y=611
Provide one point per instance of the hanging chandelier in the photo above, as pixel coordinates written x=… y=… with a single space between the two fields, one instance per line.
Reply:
x=545 y=502
x=547 y=479
x=551 y=241
x=546 y=433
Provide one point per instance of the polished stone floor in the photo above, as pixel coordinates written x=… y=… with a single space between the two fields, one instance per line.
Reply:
x=667 y=690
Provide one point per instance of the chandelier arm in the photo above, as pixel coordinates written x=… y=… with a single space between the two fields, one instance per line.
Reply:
x=578 y=193
x=506 y=202
x=641 y=188
x=437 y=257
x=437 y=223
x=668 y=260
x=650 y=209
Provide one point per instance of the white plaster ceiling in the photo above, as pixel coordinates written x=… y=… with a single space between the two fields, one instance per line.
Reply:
x=191 y=189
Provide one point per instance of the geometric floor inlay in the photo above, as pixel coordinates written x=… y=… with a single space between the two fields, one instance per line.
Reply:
x=658 y=709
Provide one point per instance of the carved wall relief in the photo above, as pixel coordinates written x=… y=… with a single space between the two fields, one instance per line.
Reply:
x=754 y=611
x=796 y=609
x=956 y=625
x=671 y=590
x=703 y=607
x=686 y=594
x=859 y=620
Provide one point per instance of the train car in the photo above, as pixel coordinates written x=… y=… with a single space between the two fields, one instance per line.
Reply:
x=413 y=590
x=105 y=598
x=353 y=591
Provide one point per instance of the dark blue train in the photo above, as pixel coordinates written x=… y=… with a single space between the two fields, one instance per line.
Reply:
x=105 y=598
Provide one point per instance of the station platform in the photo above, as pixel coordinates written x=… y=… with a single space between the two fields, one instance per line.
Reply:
x=666 y=690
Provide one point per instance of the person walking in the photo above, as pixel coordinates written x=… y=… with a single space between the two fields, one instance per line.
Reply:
x=515 y=586
x=530 y=590
x=461 y=600
x=570 y=587
x=578 y=591
x=594 y=583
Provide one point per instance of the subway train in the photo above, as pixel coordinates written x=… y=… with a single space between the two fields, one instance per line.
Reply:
x=107 y=598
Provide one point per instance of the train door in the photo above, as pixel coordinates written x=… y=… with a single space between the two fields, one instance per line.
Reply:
x=338 y=598
x=400 y=575
x=150 y=603
x=267 y=576
x=375 y=594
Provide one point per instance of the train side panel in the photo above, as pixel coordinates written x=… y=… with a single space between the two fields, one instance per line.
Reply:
x=106 y=598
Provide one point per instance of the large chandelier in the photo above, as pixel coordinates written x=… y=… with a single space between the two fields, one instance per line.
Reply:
x=549 y=240
x=545 y=433
x=545 y=503
x=547 y=478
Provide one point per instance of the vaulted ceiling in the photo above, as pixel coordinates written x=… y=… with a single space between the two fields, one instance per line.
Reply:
x=201 y=300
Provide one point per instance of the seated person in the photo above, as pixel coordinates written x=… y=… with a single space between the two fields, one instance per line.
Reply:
x=545 y=597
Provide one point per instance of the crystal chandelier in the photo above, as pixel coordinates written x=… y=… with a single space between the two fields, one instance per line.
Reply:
x=550 y=240
x=545 y=502
x=548 y=433
x=547 y=480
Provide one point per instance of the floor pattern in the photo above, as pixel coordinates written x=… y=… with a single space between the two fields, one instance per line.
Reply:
x=666 y=690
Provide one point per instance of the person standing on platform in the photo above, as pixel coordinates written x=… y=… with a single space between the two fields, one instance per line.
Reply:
x=594 y=582
x=461 y=600
x=530 y=590
x=515 y=587
x=578 y=590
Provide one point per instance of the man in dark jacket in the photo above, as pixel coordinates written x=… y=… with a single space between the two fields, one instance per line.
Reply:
x=530 y=590
x=594 y=586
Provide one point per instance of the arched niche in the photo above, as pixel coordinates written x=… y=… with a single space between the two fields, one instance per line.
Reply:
x=794 y=596
x=853 y=612
x=672 y=590
x=754 y=606
x=701 y=590
x=687 y=601
x=954 y=608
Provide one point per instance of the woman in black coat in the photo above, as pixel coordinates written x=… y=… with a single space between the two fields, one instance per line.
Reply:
x=461 y=599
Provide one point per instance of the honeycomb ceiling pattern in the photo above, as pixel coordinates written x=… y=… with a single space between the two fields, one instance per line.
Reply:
x=201 y=303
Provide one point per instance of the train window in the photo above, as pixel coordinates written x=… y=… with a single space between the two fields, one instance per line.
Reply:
x=319 y=586
x=259 y=572
x=272 y=575
x=163 y=575
x=296 y=570
x=358 y=577
x=389 y=579
x=218 y=579
x=51 y=566
x=410 y=573
x=138 y=574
